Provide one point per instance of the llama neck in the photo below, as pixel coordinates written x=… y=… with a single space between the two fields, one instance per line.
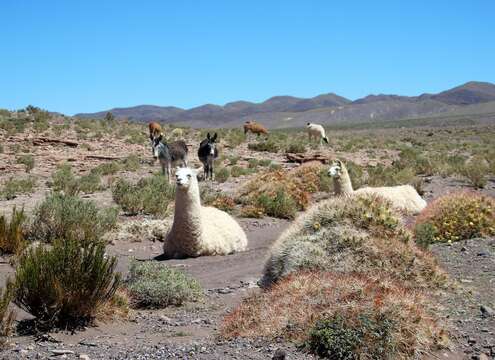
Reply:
x=343 y=185
x=187 y=216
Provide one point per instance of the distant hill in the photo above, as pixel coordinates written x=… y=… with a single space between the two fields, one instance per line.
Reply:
x=289 y=111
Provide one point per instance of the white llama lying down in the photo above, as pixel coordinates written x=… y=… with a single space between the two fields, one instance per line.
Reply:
x=198 y=230
x=402 y=197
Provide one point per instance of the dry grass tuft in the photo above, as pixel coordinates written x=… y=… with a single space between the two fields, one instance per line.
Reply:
x=340 y=316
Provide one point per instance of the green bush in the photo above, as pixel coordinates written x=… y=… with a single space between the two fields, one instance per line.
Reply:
x=27 y=160
x=149 y=196
x=131 y=163
x=14 y=187
x=264 y=162
x=476 y=171
x=454 y=217
x=335 y=338
x=297 y=148
x=281 y=205
x=222 y=174
x=109 y=168
x=268 y=146
x=66 y=285
x=64 y=180
x=233 y=160
x=7 y=315
x=154 y=285
x=253 y=163
x=62 y=216
x=12 y=233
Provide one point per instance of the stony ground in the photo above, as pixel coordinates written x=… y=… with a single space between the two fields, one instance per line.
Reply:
x=191 y=332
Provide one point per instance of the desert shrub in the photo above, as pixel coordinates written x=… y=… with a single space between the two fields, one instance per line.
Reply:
x=150 y=195
x=253 y=163
x=297 y=148
x=275 y=166
x=64 y=180
x=264 y=162
x=268 y=146
x=12 y=239
x=252 y=211
x=283 y=193
x=27 y=160
x=233 y=160
x=475 y=171
x=153 y=285
x=223 y=202
x=237 y=171
x=7 y=315
x=455 y=217
x=62 y=216
x=65 y=286
x=89 y=183
x=13 y=187
x=361 y=234
x=222 y=174
x=355 y=173
x=390 y=176
x=108 y=168
x=340 y=316
x=278 y=204
x=232 y=137
x=131 y=163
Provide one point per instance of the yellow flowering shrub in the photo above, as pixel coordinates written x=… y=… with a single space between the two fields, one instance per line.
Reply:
x=456 y=216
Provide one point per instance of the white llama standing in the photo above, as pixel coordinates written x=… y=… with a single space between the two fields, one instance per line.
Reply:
x=317 y=132
x=198 y=230
x=402 y=197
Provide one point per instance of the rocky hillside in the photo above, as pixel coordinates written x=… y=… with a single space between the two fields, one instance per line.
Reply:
x=330 y=109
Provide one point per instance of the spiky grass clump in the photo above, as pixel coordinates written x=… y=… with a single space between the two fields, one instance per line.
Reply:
x=7 y=315
x=69 y=217
x=282 y=193
x=151 y=195
x=358 y=234
x=66 y=285
x=340 y=316
x=457 y=216
x=12 y=239
x=153 y=285
x=63 y=180
x=27 y=160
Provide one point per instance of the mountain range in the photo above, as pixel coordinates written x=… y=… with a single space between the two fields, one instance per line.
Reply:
x=327 y=109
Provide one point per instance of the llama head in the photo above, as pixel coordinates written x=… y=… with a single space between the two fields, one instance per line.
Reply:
x=185 y=177
x=336 y=169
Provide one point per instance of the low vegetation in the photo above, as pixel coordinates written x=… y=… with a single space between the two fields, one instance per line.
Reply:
x=67 y=284
x=353 y=235
x=151 y=195
x=282 y=193
x=7 y=315
x=340 y=316
x=62 y=216
x=12 y=239
x=65 y=181
x=27 y=160
x=153 y=285
x=456 y=216
x=13 y=187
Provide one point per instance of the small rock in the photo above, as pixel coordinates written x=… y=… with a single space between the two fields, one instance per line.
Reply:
x=23 y=352
x=486 y=311
x=471 y=341
x=84 y=357
x=61 y=352
x=279 y=355
x=463 y=248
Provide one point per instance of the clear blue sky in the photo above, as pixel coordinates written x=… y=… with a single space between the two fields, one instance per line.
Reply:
x=85 y=56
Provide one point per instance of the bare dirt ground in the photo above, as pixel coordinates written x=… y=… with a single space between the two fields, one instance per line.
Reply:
x=190 y=332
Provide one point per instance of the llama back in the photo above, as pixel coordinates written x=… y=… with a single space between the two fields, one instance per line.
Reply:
x=403 y=197
x=221 y=234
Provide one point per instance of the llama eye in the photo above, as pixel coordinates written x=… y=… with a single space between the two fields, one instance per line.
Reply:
x=189 y=176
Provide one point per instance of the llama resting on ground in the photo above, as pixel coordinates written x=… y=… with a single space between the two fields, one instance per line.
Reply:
x=198 y=230
x=402 y=197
